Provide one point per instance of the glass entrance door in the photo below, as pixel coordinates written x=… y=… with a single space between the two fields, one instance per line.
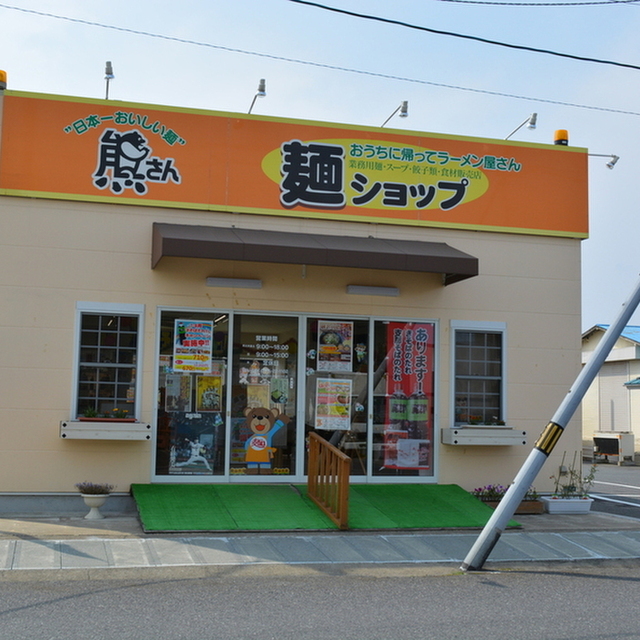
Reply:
x=337 y=385
x=263 y=396
x=192 y=394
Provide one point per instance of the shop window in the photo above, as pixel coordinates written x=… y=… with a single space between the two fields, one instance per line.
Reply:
x=192 y=393
x=341 y=371
x=479 y=377
x=337 y=385
x=403 y=394
x=108 y=356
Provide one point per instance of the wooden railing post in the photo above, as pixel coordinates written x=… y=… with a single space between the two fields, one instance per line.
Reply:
x=328 y=479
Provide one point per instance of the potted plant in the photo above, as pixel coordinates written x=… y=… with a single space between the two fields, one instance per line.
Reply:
x=115 y=415
x=491 y=495
x=571 y=490
x=94 y=496
x=121 y=414
x=469 y=420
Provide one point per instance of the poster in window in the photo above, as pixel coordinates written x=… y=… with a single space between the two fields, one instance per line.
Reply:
x=333 y=404
x=164 y=364
x=192 y=455
x=209 y=393
x=391 y=439
x=178 y=393
x=258 y=395
x=335 y=346
x=409 y=395
x=279 y=390
x=412 y=454
x=192 y=346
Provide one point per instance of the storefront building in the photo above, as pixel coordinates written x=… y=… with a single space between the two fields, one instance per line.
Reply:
x=187 y=294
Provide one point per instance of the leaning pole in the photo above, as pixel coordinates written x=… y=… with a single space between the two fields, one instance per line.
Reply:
x=546 y=442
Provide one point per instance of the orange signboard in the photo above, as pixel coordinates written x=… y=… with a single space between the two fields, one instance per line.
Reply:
x=98 y=150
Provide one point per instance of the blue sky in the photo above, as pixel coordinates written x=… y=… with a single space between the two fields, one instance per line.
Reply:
x=320 y=65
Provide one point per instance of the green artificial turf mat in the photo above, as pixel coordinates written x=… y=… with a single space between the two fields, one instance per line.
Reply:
x=272 y=507
x=192 y=508
x=414 y=506
x=276 y=507
x=246 y=507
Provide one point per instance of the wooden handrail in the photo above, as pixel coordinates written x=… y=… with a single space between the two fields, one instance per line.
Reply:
x=328 y=483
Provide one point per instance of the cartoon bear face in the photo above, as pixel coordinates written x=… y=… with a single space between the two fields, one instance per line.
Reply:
x=260 y=420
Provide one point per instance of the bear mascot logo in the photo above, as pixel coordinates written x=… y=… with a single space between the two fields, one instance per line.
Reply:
x=264 y=424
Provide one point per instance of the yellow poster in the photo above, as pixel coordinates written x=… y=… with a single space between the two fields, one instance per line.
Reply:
x=209 y=393
x=258 y=395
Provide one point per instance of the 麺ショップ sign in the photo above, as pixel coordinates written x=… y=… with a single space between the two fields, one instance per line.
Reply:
x=140 y=154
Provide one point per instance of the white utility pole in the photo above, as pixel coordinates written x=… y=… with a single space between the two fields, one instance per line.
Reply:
x=546 y=442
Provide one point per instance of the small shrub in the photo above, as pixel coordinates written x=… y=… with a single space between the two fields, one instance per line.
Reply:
x=92 y=488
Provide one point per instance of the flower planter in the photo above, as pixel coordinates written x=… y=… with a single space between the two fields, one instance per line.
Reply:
x=105 y=429
x=85 y=419
x=493 y=435
x=94 y=501
x=567 y=505
x=526 y=507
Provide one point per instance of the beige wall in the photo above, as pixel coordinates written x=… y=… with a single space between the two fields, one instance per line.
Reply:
x=56 y=253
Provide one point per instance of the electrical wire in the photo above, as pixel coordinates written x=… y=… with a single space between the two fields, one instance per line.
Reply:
x=464 y=36
x=542 y=4
x=319 y=65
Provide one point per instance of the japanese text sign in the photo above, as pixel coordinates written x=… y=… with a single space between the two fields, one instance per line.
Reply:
x=408 y=431
x=192 y=346
x=139 y=154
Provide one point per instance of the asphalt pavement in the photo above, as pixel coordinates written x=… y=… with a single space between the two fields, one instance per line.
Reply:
x=51 y=548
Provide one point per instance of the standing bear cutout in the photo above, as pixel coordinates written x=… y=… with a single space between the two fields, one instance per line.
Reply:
x=264 y=424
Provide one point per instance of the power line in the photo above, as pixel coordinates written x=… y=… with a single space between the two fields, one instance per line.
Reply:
x=464 y=36
x=321 y=65
x=496 y=3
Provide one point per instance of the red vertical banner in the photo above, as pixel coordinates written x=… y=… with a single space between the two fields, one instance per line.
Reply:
x=408 y=434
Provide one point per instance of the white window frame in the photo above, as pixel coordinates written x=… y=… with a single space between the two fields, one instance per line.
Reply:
x=479 y=327
x=107 y=308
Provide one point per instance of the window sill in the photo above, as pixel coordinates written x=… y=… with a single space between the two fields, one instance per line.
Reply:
x=105 y=429
x=472 y=435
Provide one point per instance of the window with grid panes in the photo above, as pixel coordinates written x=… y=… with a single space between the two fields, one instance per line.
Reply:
x=478 y=377
x=107 y=365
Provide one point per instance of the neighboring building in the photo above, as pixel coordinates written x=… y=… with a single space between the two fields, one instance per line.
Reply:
x=174 y=268
x=612 y=403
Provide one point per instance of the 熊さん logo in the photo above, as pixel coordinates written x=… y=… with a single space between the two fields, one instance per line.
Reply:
x=125 y=162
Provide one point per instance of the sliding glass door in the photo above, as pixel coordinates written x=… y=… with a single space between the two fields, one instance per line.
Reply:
x=264 y=396
x=192 y=394
x=337 y=385
x=238 y=394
